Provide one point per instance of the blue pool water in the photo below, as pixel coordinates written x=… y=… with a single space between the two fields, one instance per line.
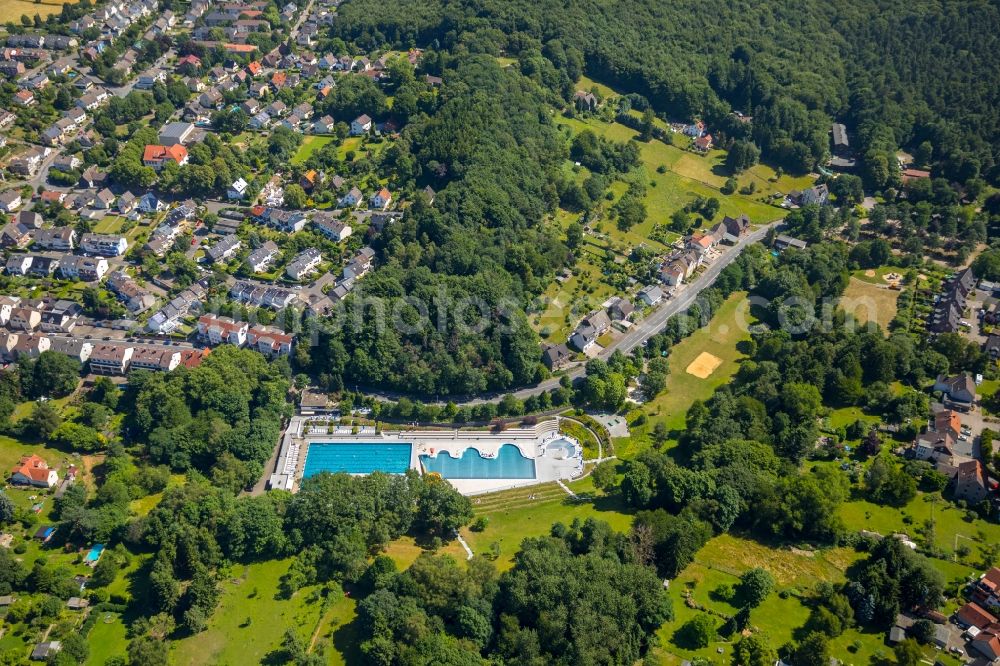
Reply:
x=94 y=554
x=357 y=458
x=509 y=464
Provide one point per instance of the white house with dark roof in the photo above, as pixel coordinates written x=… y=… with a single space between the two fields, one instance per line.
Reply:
x=361 y=125
x=261 y=258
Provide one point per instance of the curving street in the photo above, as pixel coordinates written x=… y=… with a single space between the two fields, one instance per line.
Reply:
x=639 y=333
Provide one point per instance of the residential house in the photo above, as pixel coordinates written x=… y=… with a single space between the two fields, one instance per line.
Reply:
x=621 y=310
x=324 y=125
x=88 y=269
x=650 y=295
x=24 y=98
x=110 y=358
x=359 y=265
x=93 y=177
x=16 y=235
x=61 y=317
x=333 y=229
x=988 y=645
x=289 y=221
x=974 y=615
x=156 y=359
x=959 y=392
x=583 y=99
x=66 y=163
x=673 y=273
x=703 y=143
x=25 y=164
x=556 y=357
x=261 y=258
x=592 y=327
x=136 y=298
x=783 y=242
x=270 y=341
x=10 y=201
x=42 y=266
x=150 y=203
x=210 y=99
x=361 y=125
x=237 y=190
x=351 y=199
x=127 y=203
x=735 y=228
x=23 y=318
x=32 y=470
x=104 y=199
x=381 y=199
x=308 y=180
x=259 y=295
x=702 y=243
x=46 y=650
x=251 y=107
x=75 y=348
x=971 y=483
x=149 y=79
x=277 y=109
x=218 y=330
x=304 y=263
x=260 y=121
x=694 y=130
x=19 y=264
x=8 y=342
x=992 y=346
x=156 y=156
x=224 y=249
x=816 y=195
x=106 y=245
x=31 y=346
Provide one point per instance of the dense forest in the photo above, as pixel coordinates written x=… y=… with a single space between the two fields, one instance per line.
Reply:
x=493 y=151
x=487 y=144
x=899 y=73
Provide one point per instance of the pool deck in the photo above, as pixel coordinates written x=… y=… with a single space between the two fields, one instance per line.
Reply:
x=303 y=431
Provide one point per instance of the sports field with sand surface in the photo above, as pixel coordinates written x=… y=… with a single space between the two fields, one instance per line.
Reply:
x=704 y=365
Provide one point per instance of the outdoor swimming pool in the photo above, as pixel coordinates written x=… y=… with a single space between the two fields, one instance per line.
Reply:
x=509 y=464
x=357 y=458
x=94 y=554
x=560 y=449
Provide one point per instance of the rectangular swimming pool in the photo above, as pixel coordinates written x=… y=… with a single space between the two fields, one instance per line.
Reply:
x=509 y=464
x=357 y=458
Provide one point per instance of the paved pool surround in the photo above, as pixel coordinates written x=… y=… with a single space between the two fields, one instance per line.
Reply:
x=474 y=461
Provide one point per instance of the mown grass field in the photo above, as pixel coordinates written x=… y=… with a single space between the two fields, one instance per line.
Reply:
x=724 y=558
x=12 y=10
x=107 y=639
x=720 y=337
x=687 y=175
x=515 y=515
x=250 y=620
x=309 y=145
x=109 y=224
x=870 y=302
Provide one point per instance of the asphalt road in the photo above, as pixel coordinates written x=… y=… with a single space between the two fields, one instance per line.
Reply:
x=642 y=331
